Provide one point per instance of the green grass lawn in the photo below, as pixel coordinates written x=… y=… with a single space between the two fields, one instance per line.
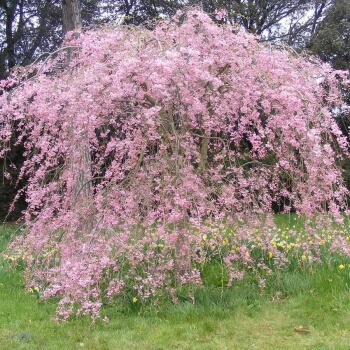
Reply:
x=235 y=318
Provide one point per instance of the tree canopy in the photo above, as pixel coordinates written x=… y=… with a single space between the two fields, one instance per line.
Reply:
x=188 y=126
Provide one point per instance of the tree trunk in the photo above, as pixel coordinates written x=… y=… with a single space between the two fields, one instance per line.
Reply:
x=10 y=43
x=71 y=15
x=80 y=160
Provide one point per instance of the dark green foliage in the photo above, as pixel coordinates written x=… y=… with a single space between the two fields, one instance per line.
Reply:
x=9 y=187
x=331 y=41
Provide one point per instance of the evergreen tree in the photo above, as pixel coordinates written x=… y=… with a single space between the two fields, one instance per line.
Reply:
x=331 y=40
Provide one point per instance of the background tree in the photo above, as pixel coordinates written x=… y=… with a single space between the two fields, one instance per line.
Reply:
x=33 y=27
x=30 y=27
x=331 y=38
x=136 y=11
x=290 y=21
